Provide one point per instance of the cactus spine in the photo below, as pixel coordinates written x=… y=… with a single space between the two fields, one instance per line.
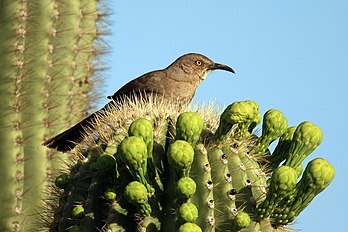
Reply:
x=208 y=176
x=47 y=48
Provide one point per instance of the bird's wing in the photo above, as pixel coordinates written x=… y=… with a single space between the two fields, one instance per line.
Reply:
x=152 y=82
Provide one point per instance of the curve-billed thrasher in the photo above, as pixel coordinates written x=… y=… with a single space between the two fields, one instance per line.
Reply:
x=178 y=81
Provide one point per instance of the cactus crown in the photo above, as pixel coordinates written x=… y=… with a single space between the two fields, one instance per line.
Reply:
x=162 y=170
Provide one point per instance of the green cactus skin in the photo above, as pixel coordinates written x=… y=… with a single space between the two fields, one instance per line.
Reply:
x=201 y=174
x=206 y=182
x=307 y=137
x=47 y=51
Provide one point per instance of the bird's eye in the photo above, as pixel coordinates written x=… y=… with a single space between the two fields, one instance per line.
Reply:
x=198 y=62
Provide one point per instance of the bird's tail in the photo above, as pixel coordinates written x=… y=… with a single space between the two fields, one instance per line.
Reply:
x=68 y=139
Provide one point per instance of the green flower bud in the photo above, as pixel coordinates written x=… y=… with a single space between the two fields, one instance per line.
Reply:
x=143 y=128
x=188 y=212
x=107 y=165
x=133 y=153
x=78 y=212
x=283 y=181
x=180 y=157
x=62 y=181
x=257 y=119
x=137 y=194
x=244 y=113
x=189 y=227
x=242 y=220
x=110 y=195
x=274 y=125
x=306 y=138
x=317 y=176
x=189 y=127
x=186 y=187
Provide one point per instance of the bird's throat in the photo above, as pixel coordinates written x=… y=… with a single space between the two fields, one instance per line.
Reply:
x=205 y=74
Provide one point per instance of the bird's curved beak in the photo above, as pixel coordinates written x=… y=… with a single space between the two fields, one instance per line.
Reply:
x=222 y=67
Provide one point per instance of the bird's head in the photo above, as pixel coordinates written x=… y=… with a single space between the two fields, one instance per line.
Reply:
x=198 y=66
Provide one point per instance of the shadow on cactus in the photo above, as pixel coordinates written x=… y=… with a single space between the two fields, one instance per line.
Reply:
x=154 y=169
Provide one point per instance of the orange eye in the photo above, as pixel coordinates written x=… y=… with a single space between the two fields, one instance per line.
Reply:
x=198 y=62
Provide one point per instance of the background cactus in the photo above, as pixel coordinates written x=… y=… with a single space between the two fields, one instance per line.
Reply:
x=206 y=177
x=47 y=66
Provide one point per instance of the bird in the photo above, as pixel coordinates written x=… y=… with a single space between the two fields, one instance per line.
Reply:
x=177 y=81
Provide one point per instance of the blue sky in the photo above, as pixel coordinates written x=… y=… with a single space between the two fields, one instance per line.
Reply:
x=288 y=55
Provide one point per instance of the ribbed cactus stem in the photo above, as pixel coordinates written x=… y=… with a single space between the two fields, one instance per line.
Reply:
x=46 y=49
x=12 y=45
x=201 y=174
x=222 y=186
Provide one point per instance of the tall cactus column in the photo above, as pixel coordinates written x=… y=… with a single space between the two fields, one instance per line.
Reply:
x=47 y=48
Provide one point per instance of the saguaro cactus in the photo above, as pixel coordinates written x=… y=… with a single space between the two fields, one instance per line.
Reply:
x=208 y=176
x=47 y=50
